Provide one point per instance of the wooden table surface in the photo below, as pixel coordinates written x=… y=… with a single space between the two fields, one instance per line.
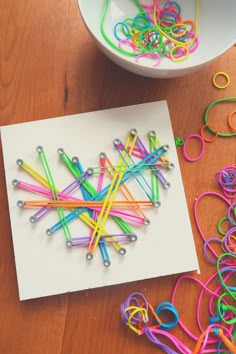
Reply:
x=49 y=66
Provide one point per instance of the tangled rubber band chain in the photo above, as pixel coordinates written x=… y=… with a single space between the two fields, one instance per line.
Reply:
x=157 y=31
x=219 y=336
x=212 y=129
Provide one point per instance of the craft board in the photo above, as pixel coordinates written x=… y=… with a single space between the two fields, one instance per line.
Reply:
x=44 y=265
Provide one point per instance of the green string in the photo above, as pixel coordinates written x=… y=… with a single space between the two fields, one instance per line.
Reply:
x=228 y=292
x=55 y=196
x=108 y=40
x=224 y=135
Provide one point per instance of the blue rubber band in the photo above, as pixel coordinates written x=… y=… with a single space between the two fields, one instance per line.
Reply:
x=123 y=25
x=167 y=307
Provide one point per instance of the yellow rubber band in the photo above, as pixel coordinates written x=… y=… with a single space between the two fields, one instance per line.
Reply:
x=226 y=76
x=182 y=58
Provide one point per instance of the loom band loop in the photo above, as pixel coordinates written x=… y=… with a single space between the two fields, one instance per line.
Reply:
x=179 y=30
x=141 y=22
x=155 y=316
x=229 y=120
x=229 y=269
x=228 y=241
x=222 y=233
x=189 y=23
x=149 y=55
x=127 y=43
x=124 y=29
x=231 y=210
x=226 y=311
x=179 y=141
x=205 y=118
x=180 y=56
x=169 y=308
x=172 y=6
x=134 y=299
x=189 y=137
x=225 y=76
x=206 y=246
x=193 y=43
x=214 y=136
x=167 y=23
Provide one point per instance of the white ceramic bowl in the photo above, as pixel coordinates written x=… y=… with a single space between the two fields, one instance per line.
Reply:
x=217 y=32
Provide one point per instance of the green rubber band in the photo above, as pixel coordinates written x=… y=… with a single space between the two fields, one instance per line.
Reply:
x=219 y=226
x=179 y=141
x=228 y=292
x=224 y=135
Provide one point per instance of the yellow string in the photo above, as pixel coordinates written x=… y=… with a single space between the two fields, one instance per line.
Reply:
x=116 y=180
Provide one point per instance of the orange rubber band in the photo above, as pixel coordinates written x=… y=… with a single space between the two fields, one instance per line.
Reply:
x=230 y=121
x=215 y=131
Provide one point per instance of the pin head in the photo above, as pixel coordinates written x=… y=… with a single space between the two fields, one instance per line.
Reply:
x=102 y=155
x=90 y=171
x=49 y=232
x=33 y=219
x=19 y=162
x=69 y=243
x=75 y=159
x=89 y=256
x=60 y=151
x=167 y=185
x=133 y=131
x=152 y=133
x=20 y=203
x=166 y=147
x=107 y=263
x=122 y=251
x=133 y=238
x=171 y=166
x=15 y=182
x=156 y=204
x=39 y=148
x=146 y=222
x=116 y=142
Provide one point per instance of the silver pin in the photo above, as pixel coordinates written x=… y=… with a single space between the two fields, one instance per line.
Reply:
x=39 y=148
x=157 y=204
x=20 y=203
x=69 y=243
x=90 y=171
x=166 y=147
x=171 y=166
x=102 y=155
x=133 y=238
x=19 y=162
x=116 y=142
x=49 y=232
x=33 y=219
x=15 y=182
x=122 y=251
x=133 y=131
x=167 y=185
x=107 y=263
x=60 y=151
x=89 y=256
x=152 y=133
x=146 y=222
x=75 y=159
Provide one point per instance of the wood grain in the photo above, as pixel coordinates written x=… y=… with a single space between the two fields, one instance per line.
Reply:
x=49 y=66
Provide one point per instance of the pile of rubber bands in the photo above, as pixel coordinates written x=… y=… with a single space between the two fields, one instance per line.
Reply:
x=110 y=199
x=220 y=334
x=157 y=31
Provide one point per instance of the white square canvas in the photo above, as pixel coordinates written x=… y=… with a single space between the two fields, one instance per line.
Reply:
x=44 y=265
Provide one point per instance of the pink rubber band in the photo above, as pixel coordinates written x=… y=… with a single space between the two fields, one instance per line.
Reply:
x=186 y=156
